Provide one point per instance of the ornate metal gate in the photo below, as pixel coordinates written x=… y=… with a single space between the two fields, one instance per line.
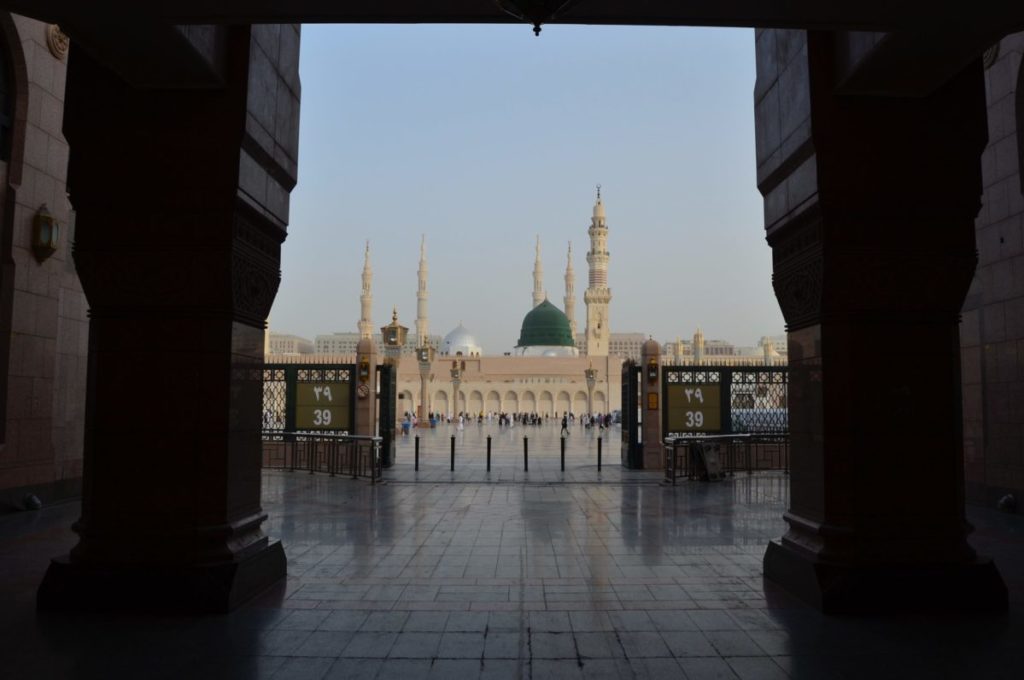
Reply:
x=308 y=398
x=632 y=452
x=724 y=400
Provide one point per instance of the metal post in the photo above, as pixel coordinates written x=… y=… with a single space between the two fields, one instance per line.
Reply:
x=488 y=453
x=526 y=454
x=599 y=453
x=453 y=453
x=417 y=450
x=355 y=459
x=563 y=454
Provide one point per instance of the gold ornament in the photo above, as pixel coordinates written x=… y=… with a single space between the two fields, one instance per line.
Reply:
x=57 y=41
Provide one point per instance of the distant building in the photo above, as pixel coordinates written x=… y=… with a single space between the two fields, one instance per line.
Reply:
x=771 y=350
x=345 y=343
x=283 y=343
x=622 y=345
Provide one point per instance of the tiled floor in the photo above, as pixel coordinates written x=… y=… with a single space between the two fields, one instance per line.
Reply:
x=618 y=579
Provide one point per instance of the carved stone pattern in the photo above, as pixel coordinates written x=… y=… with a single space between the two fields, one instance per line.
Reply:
x=797 y=271
x=795 y=241
x=249 y=234
x=798 y=289
x=990 y=56
x=57 y=41
x=254 y=285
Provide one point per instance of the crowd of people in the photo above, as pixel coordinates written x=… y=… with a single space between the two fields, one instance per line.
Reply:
x=599 y=420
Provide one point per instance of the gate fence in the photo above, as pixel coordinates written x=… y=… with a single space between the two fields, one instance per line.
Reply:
x=334 y=454
x=711 y=457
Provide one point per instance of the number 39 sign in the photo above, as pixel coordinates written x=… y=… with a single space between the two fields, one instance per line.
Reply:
x=694 y=408
x=322 y=406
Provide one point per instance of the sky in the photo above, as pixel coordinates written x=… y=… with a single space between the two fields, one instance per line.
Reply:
x=484 y=137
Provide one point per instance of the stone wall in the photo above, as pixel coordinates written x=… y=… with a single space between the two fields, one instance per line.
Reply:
x=992 y=331
x=41 y=448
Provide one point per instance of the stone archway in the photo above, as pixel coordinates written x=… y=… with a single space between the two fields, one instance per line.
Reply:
x=563 y=404
x=441 y=403
x=579 y=402
x=854 y=184
x=546 y=404
x=528 y=403
x=475 y=405
x=511 y=402
x=493 y=404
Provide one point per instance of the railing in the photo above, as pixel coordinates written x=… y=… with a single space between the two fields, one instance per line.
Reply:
x=334 y=454
x=688 y=456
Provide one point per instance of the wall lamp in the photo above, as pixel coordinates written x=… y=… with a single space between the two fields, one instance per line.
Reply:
x=45 y=234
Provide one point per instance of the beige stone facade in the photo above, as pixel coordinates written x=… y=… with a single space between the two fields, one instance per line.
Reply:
x=543 y=385
x=43 y=309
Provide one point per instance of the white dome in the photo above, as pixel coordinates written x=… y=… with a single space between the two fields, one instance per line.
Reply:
x=461 y=341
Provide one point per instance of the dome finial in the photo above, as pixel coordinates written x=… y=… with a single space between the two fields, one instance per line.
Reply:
x=598 y=193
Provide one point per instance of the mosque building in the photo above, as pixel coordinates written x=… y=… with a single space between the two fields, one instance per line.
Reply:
x=545 y=373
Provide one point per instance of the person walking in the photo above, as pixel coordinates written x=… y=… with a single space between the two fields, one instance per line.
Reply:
x=565 y=426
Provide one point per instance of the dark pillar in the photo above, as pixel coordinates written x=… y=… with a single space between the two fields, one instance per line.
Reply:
x=182 y=203
x=869 y=210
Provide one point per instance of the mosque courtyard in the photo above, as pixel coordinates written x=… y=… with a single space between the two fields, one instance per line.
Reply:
x=510 y=574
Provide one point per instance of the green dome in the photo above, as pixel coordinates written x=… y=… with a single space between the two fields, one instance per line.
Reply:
x=546 y=325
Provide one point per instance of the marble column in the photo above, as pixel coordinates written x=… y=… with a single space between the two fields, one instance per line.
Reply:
x=869 y=210
x=182 y=202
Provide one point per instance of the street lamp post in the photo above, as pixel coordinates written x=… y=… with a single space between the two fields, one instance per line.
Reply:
x=425 y=356
x=393 y=336
x=456 y=381
x=394 y=339
x=591 y=374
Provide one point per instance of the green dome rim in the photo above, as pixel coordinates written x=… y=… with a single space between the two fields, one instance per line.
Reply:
x=547 y=326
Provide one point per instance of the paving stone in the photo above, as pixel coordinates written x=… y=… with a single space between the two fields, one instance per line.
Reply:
x=361 y=598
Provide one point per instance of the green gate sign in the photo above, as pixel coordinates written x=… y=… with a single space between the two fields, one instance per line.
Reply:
x=694 y=407
x=322 y=406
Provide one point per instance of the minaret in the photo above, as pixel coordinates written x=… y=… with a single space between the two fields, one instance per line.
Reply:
x=366 y=299
x=598 y=295
x=421 y=297
x=698 y=346
x=538 y=278
x=570 y=294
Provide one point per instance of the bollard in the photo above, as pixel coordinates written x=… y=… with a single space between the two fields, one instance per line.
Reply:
x=598 y=453
x=488 y=453
x=526 y=455
x=453 y=453
x=417 y=466
x=563 y=454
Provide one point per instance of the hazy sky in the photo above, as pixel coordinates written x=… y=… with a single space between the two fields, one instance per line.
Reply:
x=482 y=137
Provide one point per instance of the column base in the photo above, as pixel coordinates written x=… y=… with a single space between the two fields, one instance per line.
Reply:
x=845 y=589
x=199 y=589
